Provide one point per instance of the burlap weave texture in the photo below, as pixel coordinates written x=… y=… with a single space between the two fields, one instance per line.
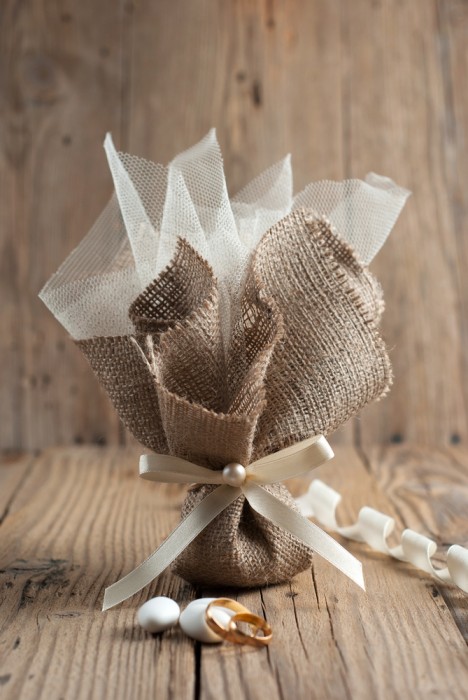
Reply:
x=305 y=355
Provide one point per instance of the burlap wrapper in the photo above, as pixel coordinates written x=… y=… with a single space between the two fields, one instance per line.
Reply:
x=305 y=355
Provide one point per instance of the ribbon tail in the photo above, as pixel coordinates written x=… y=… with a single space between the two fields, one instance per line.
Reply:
x=173 y=470
x=282 y=515
x=201 y=516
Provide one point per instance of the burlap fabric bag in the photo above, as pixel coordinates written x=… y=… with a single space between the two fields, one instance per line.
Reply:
x=226 y=328
x=304 y=356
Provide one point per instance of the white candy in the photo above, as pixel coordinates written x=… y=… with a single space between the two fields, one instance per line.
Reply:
x=200 y=601
x=158 y=614
x=192 y=620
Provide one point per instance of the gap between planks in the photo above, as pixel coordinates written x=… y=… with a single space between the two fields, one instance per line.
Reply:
x=81 y=518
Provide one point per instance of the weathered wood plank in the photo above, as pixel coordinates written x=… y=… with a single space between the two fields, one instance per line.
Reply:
x=346 y=87
x=400 y=121
x=452 y=27
x=429 y=491
x=331 y=640
x=81 y=520
x=14 y=470
x=61 y=85
x=241 y=82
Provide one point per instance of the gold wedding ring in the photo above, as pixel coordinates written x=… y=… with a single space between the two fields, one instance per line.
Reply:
x=257 y=623
x=212 y=622
x=233 y=633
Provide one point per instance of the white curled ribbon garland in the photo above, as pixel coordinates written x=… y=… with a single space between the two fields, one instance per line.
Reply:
x=373 y=528
x=285 y=464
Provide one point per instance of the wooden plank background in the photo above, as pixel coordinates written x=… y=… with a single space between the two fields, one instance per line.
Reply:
x=403 y=638
x=346 y=87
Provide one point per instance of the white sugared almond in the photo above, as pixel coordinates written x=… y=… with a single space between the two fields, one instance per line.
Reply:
x=158 y=614
x=200 y=601
x=193 y=623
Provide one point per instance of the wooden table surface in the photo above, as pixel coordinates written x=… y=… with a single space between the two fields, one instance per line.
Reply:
x=347 y=88
x=74 y=520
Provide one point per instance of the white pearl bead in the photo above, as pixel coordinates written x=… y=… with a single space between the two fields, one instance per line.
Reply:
x=158 y=614
x=234 y=474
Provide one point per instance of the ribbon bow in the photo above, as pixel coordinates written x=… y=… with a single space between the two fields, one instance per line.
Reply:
x=235 y=480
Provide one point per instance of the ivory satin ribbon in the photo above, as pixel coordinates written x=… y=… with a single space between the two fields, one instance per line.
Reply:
x=287 y=463
x=374 y=528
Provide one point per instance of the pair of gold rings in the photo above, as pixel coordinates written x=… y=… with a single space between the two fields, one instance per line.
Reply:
x=260 y=632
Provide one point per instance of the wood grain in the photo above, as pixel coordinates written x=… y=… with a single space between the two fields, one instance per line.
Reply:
x=401 y=120
x=79 y=518
x=61 y=88
x=59 y=549
x=429 y=491
x=345 y=87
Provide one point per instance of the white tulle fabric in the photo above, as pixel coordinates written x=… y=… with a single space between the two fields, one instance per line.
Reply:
x=134 y=238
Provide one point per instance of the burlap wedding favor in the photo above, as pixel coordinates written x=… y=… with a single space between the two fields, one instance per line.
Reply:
x=227 y=354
